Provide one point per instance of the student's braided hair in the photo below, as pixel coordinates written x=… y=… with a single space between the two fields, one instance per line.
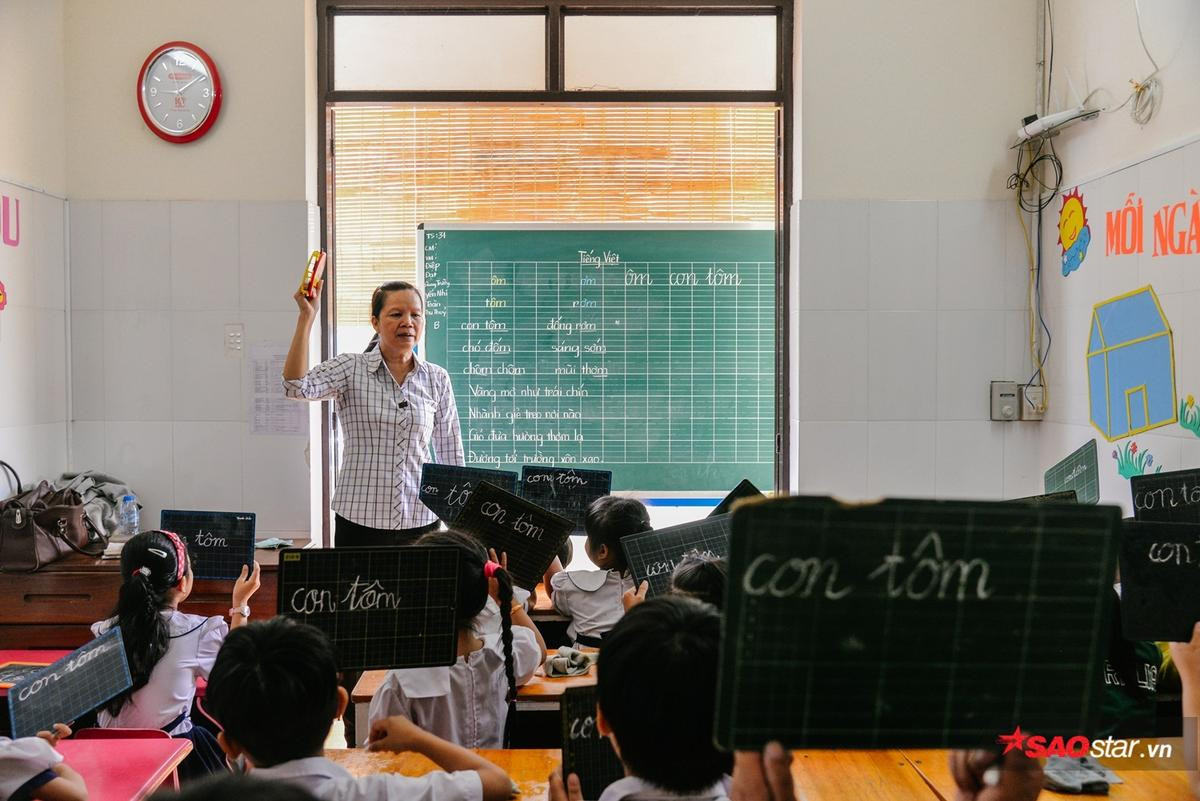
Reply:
x=472 y=597
x=152 y=563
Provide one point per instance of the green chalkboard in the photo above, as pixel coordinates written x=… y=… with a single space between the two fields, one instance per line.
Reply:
x=649 y=352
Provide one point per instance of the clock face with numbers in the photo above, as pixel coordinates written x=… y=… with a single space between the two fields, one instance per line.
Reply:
x=179 y=92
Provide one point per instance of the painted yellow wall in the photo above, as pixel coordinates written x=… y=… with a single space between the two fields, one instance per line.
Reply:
x=32 y=142
x=256 y=150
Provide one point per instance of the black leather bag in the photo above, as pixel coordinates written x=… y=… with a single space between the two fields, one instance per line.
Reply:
x=43 y=525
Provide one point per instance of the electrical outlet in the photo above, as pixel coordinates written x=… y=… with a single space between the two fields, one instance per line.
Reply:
x=235 y=333
x=1004 y=401
x=1033 y=402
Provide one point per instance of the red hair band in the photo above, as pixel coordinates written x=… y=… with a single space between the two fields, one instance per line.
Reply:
x=180 y=556
x=490 y=568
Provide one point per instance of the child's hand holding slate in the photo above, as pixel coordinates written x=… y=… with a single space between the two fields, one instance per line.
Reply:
x=572 y=790
x=763 y=777
x=982 y=776
x=60 y=731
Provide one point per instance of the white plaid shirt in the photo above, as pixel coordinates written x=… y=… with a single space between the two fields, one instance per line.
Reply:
x=386 y=431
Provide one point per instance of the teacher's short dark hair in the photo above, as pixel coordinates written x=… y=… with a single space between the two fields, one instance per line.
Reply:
x=383 y=290
x=274 y=689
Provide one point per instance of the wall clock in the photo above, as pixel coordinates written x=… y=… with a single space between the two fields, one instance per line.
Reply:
x=179 y=92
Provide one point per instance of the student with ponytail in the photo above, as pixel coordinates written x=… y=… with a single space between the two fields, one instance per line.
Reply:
x=470 y=702
x=168 y=650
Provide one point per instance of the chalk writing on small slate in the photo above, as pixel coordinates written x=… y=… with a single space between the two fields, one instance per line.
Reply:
x=1160 y=580
x=381 y=607
x=586 y=752
x=530 y=535
x=652 y=555
x=219 y=543
x=913 y=623
x=446 y=487
x=566 y=491
x=1078 y=472
x=1167 y=497
x=1063 y=496
x=78 y=683
x=744 y=489
x=12 y=672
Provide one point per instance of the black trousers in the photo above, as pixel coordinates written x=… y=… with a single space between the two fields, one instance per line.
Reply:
x=348 y=534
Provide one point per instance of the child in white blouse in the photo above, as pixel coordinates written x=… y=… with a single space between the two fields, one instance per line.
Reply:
x=470 y=702
x=593 y=598
x=168 y=650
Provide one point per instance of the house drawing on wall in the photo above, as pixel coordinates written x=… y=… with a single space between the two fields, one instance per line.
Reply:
x=1131 y=365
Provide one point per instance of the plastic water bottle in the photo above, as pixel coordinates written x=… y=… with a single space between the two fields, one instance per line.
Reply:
x=129 y=516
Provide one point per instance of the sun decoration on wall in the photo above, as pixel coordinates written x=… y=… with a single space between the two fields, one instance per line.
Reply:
x=1074 y=233
x=3 y=297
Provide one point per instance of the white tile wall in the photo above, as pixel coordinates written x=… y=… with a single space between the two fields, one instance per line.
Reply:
x=971 y=254
x=903 y=255
x=136 y=256
x=833 y=254
x=833 y=365
x=903 y=365
x=33 y=341
x=900 y=459
x=205 y=270
x=157 y=399
x=946 y=288
x=970 y=353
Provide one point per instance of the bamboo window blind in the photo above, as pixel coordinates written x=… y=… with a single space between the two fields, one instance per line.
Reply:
x=397 y=166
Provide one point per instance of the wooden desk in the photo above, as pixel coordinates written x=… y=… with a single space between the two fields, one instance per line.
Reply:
x=819 y=775
x=892 y=775
x=54 y=607
x=124 y=770
x=43 y=657
x=1138 y=785
x=540 y=694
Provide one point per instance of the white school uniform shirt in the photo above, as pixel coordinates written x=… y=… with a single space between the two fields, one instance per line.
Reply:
x=464 y=702
x=331 y=782
x=591 y=598
x=635 y=789
x=190 y=654
x=388 y=430
x=23 y=760
x=488 y=621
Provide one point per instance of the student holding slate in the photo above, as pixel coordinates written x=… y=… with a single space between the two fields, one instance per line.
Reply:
x=394 y=410
x=166 y=649
x=31 y=768
x=593 y=598
x=470 y=702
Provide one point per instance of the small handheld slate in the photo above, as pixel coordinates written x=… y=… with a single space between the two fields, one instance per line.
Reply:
x=382 y=607
x=652 y=555
x=744 y=489
x=78 y=683
x=446 y=487
x=586 y=752
x=912 y=623
x=1078 y=472
x=1167 y=497
x=567 y=491
x=1160 y=580
x=219 y=543
x=528 y=534
x=1063 y=496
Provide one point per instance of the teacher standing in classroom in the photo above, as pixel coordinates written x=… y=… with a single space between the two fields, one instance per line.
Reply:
x=392 y=406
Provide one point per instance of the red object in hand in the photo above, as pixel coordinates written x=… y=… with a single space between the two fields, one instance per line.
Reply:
x=314 y=271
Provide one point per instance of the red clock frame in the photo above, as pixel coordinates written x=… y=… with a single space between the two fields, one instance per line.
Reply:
x=179 y=139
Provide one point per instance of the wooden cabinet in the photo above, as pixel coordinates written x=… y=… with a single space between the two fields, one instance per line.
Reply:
x=54 y=607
